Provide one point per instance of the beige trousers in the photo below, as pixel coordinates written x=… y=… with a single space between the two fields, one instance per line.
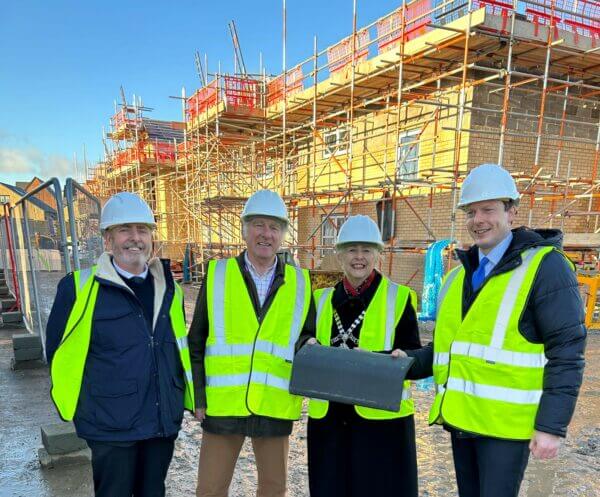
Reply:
x=219 y=453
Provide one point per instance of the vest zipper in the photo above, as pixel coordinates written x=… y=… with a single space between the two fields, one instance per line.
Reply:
x=260 y=316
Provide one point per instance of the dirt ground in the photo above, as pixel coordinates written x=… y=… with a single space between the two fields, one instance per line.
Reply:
x=575 y=473
x=25 y=406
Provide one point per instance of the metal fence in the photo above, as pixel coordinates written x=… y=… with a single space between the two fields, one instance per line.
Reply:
x=8 y=257
x=83 y=224
x=42 y=238
x=41 y=251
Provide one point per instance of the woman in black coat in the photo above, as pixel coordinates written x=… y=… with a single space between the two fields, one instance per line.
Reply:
x=350 y=452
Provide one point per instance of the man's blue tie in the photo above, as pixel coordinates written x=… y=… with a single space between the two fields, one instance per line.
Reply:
x=479 y=274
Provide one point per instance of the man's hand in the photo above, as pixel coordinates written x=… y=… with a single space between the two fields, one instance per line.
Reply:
x=312 y=341
x=200 y=413
x=544 y=445
x=399 y=353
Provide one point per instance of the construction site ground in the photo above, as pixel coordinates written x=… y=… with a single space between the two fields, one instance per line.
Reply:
x=25 y=406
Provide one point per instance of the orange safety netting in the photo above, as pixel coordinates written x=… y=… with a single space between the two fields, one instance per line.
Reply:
x=581 y=17
x=121 y=119
x=294 y=84
x=241 y=92
x=389 y=29
x=203 y=99
x=340 y=54
x=146 y=151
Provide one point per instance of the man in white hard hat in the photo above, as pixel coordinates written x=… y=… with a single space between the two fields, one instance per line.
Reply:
x=117 y=348
x=508 y=344
x=253 y=313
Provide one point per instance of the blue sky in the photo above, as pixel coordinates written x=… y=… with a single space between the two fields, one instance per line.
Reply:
x=63 y=63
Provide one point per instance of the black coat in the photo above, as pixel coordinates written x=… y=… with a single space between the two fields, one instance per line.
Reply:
x=406 y=336
x=553 y=315
x=348 y=308
x=350 y=455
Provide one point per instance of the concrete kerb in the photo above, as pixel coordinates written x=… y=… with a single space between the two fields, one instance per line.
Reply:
x=22 y=365
x=7 y=303
x=49 y=461
x=26 y=341
x=27 y=350
x=62 y=446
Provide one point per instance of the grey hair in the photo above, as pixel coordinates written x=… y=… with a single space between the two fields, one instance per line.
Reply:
x=342 y=248
x=248 y=220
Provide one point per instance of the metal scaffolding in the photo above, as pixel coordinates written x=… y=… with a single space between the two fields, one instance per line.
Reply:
x=397 y=113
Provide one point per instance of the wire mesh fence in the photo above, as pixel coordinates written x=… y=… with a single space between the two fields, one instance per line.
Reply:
x=83 y=225
x=40 y=252
x=43 y=236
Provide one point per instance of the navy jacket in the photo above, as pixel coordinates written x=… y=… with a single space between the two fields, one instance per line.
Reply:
x=133 y=380
x=553 y=316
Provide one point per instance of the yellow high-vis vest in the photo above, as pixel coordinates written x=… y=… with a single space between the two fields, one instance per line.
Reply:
x=488 y=377
x=376 y=334
x=248 y=364
x=68 y=363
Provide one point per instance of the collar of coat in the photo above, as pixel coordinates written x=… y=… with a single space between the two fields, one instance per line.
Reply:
x=523 y=238
x=158 y=268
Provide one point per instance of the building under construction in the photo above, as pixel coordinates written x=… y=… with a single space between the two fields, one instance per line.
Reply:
x=386 y=122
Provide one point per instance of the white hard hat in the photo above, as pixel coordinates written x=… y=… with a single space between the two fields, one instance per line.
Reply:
x=125 y=208
x=488 y=182
x=265 y=203
x=359 y=229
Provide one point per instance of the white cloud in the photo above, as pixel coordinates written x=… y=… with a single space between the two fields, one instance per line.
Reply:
x=32 y=161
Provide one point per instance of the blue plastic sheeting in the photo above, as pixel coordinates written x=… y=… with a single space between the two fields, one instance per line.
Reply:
x=434 y=272
x=425 y=385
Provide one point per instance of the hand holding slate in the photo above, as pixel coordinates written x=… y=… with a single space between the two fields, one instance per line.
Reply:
x=366 y=379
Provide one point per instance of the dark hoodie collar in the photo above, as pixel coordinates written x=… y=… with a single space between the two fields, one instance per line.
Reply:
x=523 y=238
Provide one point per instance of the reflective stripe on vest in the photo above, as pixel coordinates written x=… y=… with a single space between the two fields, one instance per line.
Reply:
x=68 y=363
x=390 y=316
x=392 y=303
x=324 y=298
x=247 y=364
x=445 y=285
x=223 y=349
x=506 y=394
x=219 y=302
x=505 y=369
x=82 y=277
x=176 y=313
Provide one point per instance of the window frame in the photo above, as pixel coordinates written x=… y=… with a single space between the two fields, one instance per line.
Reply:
x=341 y=138
x=338 y=219
x=413 y=134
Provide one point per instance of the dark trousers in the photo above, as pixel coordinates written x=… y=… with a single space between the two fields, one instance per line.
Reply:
x=354 y=457
x=131 y=468
x=488 y=467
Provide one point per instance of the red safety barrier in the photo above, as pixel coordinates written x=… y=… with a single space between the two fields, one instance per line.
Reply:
x=122 y=118
x=13 y=264
x=580 y=17
x=294 y=84
x=146 y=151
x=340 y=54
x=241 y=92
x=540 y=18
x=202 y=100
x=389 y=29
